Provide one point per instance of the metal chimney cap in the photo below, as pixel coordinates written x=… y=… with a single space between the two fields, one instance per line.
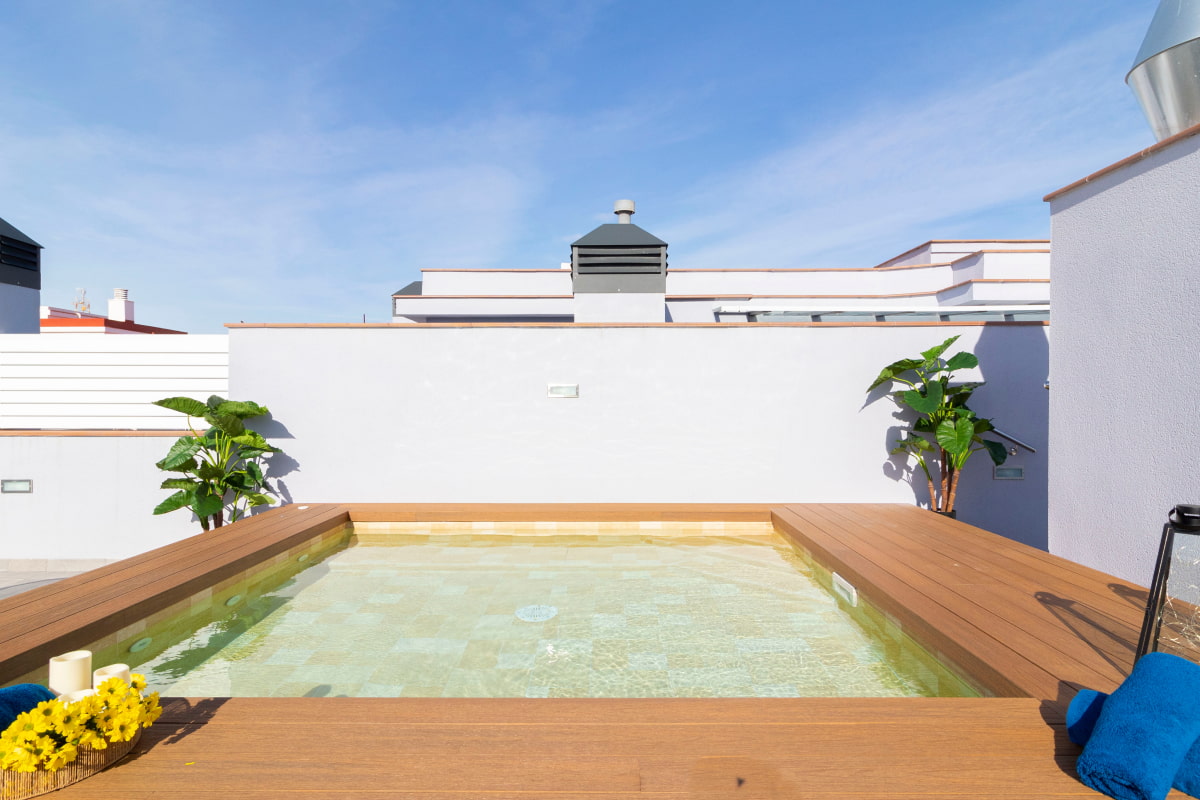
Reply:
x=1175 y=22
x=624 y=209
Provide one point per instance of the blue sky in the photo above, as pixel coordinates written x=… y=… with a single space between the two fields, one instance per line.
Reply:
x=299 y=161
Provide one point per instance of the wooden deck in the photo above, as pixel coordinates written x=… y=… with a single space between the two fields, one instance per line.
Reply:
x=1029 y=626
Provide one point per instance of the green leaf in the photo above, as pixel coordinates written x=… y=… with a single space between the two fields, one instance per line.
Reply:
x=228 y=424
x=207 y=504
x=983 y=426
x=255 y=472
x=912 y=444
x=955 y=436
x=997 y=451
x=962 y=360
x=174 y=502
x=214 y=402
x=892 y=370
x=256 y=499
x=179 y=483
x=925 y=403
x=181 y=452
x=209 y=472
x=186 y=405
x=934 y=353
x=241 y=409
x=252 y=439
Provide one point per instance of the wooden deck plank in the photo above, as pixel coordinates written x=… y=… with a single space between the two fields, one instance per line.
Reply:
x=833 y=748
x=52 y=620
x=977 y=596
x=1008 y=561
x=987 y=659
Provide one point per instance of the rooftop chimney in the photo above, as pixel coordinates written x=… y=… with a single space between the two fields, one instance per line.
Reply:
x=619 y=272
x=1166 y=73
x=624 y=209
x=120 y=307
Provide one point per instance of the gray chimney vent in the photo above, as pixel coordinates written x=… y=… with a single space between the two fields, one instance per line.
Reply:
x=624 y=209
x=1166 y=73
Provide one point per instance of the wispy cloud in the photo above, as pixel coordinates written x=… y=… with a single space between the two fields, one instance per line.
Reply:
x=914 y=168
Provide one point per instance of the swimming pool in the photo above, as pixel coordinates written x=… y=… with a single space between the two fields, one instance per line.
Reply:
x=540 y=610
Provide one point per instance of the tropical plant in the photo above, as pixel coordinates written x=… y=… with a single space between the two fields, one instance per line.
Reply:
x=222 y=468
x=945 y=432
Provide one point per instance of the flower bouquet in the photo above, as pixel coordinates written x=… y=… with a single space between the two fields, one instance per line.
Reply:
x=60 y=742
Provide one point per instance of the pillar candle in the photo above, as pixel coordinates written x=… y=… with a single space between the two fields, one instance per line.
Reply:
x=111 y=671
x=71 y=672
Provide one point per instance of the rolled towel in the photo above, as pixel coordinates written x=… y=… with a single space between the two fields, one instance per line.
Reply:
x=1081 y=719
x=16 y=700
x=1144 y=730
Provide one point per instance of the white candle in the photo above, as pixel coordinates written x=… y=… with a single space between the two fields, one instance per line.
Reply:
x=71 y=672
x=111 y=671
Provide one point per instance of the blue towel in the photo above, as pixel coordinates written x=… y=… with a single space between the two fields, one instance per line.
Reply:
x=1144 y=730
x=1081 y=719
x=16 y=700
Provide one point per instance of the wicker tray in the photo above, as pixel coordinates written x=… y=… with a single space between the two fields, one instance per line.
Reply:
x=19 y=785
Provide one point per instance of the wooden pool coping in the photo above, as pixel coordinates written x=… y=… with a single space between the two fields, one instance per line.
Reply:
x=1028 y=626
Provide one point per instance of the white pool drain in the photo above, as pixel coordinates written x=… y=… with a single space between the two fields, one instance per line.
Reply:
x=536 y=613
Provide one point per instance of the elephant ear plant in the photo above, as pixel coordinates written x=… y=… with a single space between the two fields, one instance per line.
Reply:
x=221 y=469
x=946 y=432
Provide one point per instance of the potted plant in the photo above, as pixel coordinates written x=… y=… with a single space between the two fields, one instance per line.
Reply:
x=945 y=432
x=222 y=468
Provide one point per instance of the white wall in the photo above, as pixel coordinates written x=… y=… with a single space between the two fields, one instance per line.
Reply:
x=92 y=499
x=18 y=309
x=84 y=380
x=667 y=414
x=1125 y=411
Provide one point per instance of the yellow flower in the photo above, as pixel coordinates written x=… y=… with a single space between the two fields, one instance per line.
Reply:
x=138 y=682
x=65 y=755
x=94 y=739
x=111 y=689
x=43 y=714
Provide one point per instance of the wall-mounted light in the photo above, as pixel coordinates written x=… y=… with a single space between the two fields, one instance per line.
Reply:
x=1008 y=473
x=562 y=390
x=16 y=485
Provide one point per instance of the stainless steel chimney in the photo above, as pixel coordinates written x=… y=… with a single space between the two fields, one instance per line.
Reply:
x=1166 y=73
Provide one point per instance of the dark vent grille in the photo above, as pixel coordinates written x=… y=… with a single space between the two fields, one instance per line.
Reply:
x=15 y=253
x=621 y=260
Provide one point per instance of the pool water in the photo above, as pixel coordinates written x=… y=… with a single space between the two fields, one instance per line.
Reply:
x=656 y=613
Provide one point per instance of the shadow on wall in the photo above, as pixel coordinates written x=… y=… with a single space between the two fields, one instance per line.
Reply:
x=279 y=465
x=1013 y=362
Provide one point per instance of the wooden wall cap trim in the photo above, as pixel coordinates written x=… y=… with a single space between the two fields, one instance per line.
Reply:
x=850 y=296
x=427 y=325
x=66 y=433
x=1124 y=162
x=741 y=270
x=959 y=241
x=484 y=296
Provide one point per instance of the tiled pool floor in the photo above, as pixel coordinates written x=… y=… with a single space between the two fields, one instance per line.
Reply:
x=640 y=615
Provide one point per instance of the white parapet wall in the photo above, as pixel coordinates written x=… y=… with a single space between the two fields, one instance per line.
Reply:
x=83 y=381
x=1125 y=418
x=91 y=502
x=664 y=413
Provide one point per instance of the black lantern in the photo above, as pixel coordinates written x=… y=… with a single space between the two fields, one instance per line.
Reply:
x=1172 y=622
